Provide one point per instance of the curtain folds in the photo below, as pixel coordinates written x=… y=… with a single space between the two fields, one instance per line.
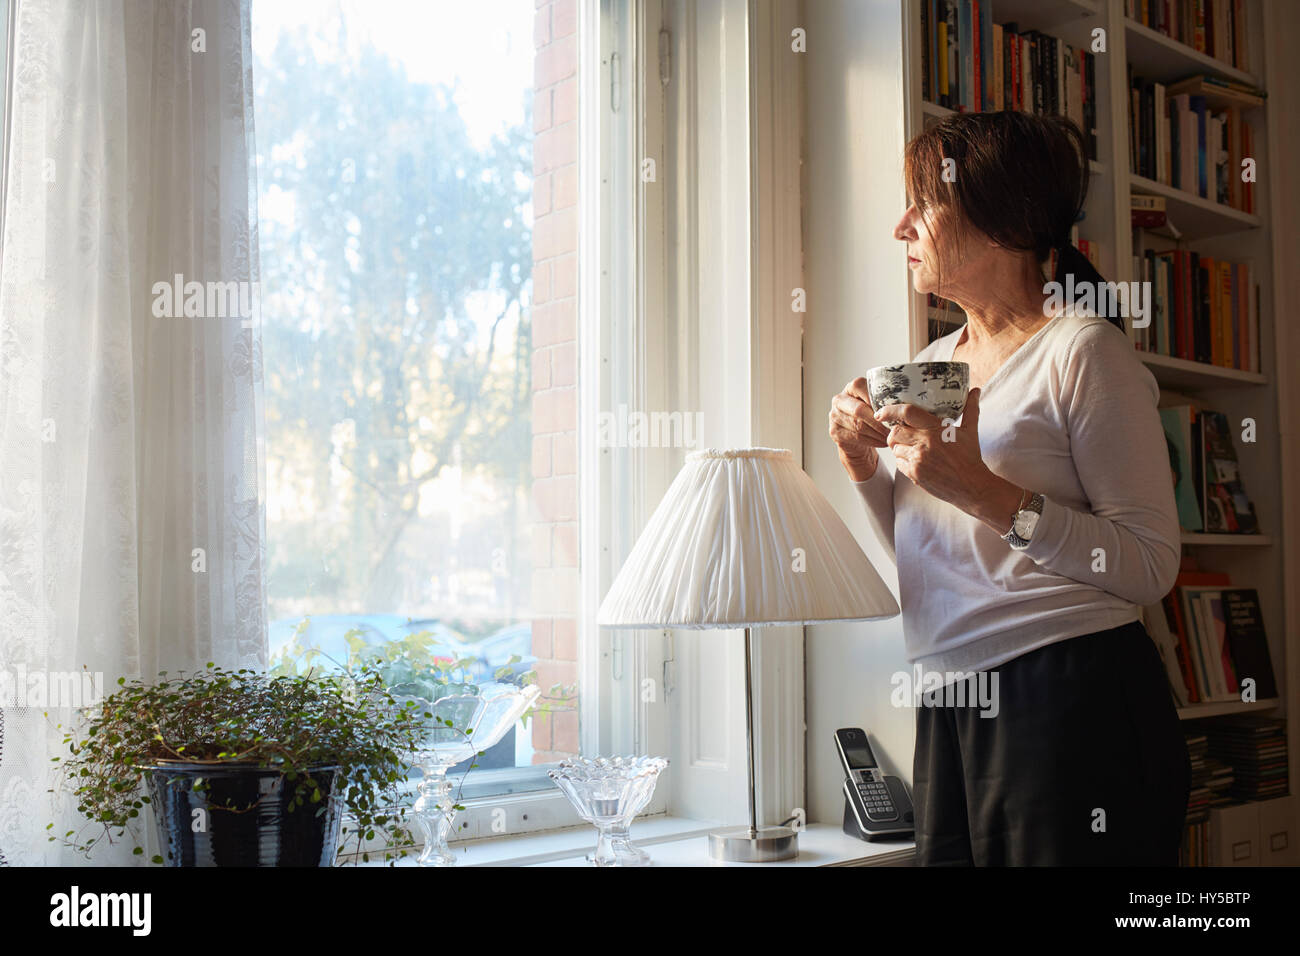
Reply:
x=132 y=525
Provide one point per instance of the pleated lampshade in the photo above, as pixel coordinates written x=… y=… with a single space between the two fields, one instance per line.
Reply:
x=743 y=538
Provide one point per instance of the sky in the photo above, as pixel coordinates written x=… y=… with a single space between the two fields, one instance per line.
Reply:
x=485 y=44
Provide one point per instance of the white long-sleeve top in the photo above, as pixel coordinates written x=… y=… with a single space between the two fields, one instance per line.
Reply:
x=1072 y=415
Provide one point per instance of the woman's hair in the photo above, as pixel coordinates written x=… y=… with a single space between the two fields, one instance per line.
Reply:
x=1018 y=178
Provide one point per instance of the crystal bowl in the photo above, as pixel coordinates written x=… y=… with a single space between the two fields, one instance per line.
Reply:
x=609 y=792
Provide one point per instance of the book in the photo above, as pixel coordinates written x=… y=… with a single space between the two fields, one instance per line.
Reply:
x=984 y=34
x=997 y=73
x=966 y=57
x=1218 y=660
x=1206 y=649
x=941 y=45
x=1228 y=509
x=954 y=56
x=1176 y=421
x=1172 y=603
x=1247 y=641
x=1157 y=625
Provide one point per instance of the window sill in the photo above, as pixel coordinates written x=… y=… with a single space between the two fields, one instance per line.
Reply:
x=671 y=841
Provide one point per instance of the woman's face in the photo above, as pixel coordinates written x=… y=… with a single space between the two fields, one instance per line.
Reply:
x=918 y=231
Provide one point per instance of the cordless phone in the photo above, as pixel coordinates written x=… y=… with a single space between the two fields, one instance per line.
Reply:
x=879 y=804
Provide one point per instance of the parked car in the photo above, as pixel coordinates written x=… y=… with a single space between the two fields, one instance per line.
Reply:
x=492 y=652
x=325 y=633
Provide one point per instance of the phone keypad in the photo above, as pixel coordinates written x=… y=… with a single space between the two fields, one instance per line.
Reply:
x=875 y=796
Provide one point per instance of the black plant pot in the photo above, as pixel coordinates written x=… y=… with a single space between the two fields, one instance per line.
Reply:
x=268 y=833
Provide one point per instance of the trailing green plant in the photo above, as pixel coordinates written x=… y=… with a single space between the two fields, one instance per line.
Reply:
x=288 y=723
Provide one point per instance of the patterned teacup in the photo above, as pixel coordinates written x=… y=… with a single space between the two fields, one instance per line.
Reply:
x=938 y=387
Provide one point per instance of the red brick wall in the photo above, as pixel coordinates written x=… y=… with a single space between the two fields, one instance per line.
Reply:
x=555 y=368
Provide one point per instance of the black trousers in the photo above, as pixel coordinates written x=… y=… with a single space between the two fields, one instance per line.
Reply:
x=1084 y=765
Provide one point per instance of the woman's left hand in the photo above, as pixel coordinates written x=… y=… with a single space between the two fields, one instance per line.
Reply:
x=944 y=460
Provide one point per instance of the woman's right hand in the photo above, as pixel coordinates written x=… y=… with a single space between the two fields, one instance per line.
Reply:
x=855 y=431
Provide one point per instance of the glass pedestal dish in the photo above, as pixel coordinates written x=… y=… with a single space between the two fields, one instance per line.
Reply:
x=608 y=792
x=486 y=715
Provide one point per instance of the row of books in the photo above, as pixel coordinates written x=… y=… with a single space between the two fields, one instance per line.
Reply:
x=971 y=64
x=1192 y=135
x=1217 y=28
x=1236 y=759
x=1202 y=309
x=1211 y=638
x=1208 y=488
x=1255 y=749
x=1211 y=779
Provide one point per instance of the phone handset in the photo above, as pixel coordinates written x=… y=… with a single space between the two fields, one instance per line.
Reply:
x=864 y=784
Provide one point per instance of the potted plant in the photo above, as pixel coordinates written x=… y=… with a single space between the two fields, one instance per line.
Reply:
x=247 y=768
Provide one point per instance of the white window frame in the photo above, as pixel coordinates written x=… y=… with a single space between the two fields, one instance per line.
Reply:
x=729 y=345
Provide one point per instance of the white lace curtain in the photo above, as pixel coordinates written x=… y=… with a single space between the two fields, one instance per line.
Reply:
x=132 y=529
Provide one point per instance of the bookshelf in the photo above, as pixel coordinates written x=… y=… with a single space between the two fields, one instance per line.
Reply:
x=1211 y=229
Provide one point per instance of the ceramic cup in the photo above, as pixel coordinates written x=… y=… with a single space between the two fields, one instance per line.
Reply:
x=938 y=387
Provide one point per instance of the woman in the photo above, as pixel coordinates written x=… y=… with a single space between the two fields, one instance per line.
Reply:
x=1028 y=537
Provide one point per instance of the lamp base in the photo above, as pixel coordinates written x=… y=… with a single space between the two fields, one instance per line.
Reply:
x=760 y=845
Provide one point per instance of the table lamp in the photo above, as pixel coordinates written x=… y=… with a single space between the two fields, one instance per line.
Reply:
x=743 y=538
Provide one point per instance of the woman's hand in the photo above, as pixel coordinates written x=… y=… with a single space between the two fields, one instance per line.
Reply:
x=946 y=461
x=855 y=432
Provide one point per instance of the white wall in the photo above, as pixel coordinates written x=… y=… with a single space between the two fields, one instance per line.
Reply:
x=857 y=318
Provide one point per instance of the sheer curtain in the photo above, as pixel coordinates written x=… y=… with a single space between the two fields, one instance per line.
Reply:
x=132 y=529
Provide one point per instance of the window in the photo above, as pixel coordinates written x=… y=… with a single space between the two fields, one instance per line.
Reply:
x=418 y=175
x=410 y=313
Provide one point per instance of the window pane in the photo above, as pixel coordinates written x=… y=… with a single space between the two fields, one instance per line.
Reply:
x=419 y=338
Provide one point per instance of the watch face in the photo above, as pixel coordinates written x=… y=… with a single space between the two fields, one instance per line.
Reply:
x=1025 y=523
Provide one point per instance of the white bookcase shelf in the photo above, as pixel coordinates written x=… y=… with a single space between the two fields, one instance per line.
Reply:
x=1219 y=708
x=1195 y=217
x=1196 y=538
x=1163 y=58
x=1176 y=373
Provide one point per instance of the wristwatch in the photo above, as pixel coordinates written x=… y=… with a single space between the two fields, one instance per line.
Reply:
x=1023 y=523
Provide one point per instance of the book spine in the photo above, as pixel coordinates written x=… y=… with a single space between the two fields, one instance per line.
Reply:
x=942 y=42
x=1252 y=318
x=1234 y=157
x=1009 y=51
x=995 y=74
x=1176 y=318
x=1039 y=49
x=1158 y=119
x=967 y=54
x=1240 y=33
x=977 y=59
x=954 y=55
x=1227 y=323
x=1238 y=327
x=987 y=55
x=1026 y=74
x=1198 y=107
x=927 y=88
x=1175 y=144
